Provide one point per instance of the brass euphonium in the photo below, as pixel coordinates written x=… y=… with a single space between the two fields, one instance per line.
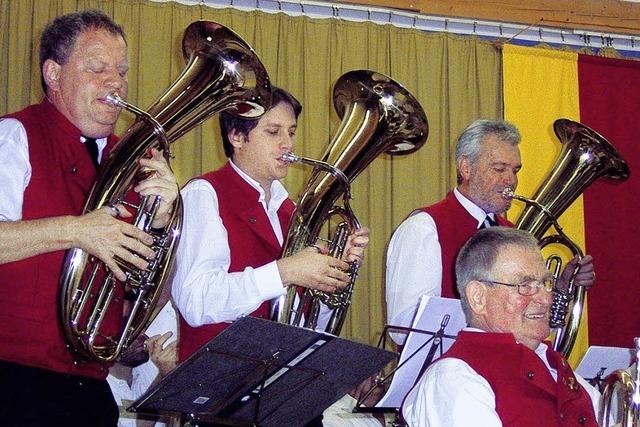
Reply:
x=222 y=73
x=626 y=387
x=585 y=157
x=378 y=115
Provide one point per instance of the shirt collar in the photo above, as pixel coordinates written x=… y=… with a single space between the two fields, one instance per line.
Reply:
x=100 y=142
x=473 y=209
x=278 y=193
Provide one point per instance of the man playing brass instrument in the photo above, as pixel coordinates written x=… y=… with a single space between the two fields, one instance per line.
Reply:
x=499 y=372
x=235 y=220
x=422 y=251
x=48 y=164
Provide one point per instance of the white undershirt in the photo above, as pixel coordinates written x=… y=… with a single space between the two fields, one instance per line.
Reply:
x=202 y=289
x=15 y=168
x=414 y=264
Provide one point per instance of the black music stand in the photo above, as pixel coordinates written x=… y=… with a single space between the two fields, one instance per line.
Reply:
x=263 y=373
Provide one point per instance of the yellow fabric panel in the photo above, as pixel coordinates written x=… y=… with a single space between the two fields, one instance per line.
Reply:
x=540 y=86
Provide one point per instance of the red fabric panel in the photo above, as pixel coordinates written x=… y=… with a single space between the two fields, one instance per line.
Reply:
x=610 y=104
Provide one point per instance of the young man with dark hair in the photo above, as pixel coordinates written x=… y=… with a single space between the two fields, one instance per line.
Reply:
x=229 y=258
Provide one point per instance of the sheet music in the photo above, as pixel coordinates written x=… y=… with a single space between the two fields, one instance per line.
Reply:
x=429 y=317
x=164 y=322
x=601 y=361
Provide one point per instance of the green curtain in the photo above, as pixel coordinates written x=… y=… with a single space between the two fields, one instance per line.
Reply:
x=456 y=79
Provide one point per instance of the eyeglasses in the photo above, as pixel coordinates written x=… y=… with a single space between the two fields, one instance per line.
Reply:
x=528 y=287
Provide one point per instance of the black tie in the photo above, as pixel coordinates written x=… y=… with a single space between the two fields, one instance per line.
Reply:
x=488 y=222
x=92 y=148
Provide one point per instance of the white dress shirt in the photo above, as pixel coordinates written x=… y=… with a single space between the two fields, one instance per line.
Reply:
x=414 y=264
x=15 y=169
x=202 y=289
x=452 y=394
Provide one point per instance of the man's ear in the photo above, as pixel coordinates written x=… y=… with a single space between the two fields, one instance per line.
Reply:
x=51 y=74
x=465 y=168
x=476 y=293
x=236 y=138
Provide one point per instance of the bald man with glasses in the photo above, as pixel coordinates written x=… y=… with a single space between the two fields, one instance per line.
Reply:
x=500 y=372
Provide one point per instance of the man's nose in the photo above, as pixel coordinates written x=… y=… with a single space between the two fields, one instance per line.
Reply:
x=115 y=81
x=286 y=142
x=543 y=297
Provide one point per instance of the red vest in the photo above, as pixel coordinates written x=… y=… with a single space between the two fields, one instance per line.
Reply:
x=455 y=226
x=526 y=394
x=62 y=176
x=252 y=243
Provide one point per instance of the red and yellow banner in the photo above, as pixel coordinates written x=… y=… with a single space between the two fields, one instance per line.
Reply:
x=542 y=85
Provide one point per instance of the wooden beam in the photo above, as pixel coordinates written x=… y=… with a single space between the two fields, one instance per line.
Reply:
x=605 y=16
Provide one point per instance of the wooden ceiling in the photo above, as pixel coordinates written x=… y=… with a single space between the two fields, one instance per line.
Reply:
x=603 y=16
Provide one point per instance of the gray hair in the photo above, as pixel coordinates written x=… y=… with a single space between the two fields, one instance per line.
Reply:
x=470 y=141
x=477 y=258
x=59 y=36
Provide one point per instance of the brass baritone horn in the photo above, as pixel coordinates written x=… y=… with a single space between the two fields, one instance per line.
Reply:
x=378 y=115
x=627 y=388
x=586 y=156
x=222 y=73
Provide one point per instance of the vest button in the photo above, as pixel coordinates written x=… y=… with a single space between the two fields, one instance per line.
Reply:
x=530 y=375
x=582 y=420
x=74 y=169
x=253 y=220
x=561 y=416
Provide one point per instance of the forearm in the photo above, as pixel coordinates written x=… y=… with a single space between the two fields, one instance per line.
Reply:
x=215 y=296
x=24 y=239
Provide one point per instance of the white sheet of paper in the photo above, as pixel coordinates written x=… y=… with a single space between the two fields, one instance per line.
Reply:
x=165 y=321
x=428 y=318
x=603 y=361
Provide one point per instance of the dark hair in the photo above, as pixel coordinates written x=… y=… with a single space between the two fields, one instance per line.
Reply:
x=229 y=122
x=59 y=36
x=477 y=258
x=472 y=138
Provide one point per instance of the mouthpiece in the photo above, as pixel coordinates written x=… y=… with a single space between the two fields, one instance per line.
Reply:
x=508 y=193
x=290 y=157
x=114 y=99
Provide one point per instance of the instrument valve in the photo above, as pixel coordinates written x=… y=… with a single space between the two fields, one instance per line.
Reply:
x=559 y=309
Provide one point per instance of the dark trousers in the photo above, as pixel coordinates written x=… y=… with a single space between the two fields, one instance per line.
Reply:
x=38 y=397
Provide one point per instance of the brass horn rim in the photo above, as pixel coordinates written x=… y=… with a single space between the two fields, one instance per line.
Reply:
x=216 y=40
x=392 y=97
x=566 y=130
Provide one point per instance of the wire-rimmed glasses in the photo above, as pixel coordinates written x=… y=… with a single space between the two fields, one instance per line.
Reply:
x=529 y=287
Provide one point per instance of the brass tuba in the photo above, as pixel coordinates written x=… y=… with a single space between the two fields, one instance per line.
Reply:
x=585 y=157
x=378 y=115
x=222 y=73
x=627 y=388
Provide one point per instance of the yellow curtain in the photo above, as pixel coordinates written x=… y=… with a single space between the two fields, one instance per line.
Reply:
x=540 y=86
x=455 y=79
